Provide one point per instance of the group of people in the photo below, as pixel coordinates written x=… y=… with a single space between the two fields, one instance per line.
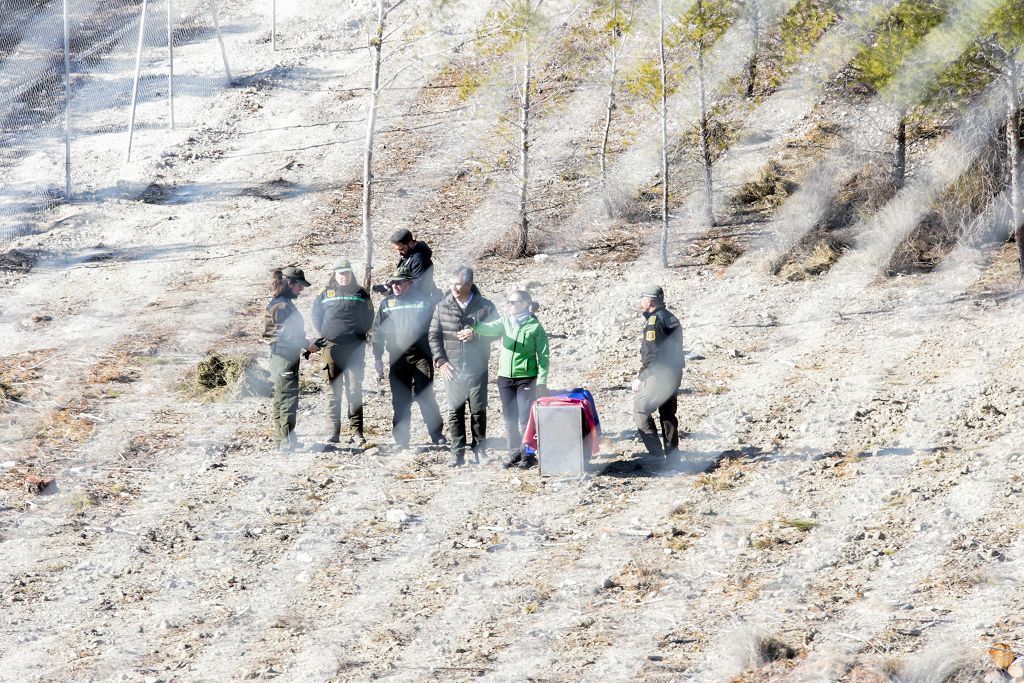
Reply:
x=425 y=333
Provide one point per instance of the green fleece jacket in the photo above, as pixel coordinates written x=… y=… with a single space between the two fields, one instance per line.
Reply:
x=524 y=351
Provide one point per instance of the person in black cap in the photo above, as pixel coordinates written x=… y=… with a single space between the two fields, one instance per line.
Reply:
x=401 y=327
x=343 y=315
x=285 y=331
x=463 y=364
x=661 y=372
x=416 y=256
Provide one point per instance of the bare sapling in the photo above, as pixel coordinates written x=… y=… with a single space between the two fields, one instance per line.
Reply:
x=618 y=30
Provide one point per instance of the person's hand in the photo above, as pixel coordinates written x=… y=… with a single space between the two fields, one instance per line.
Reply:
x=447 y=371
x=379 y=367
x=465 y=335
x=636 y=385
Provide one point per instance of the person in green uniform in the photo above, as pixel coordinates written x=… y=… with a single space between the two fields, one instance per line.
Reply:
x=285 y=331
x=343 y=315
x=661 y=372
x=400 y=328
x=522 y=368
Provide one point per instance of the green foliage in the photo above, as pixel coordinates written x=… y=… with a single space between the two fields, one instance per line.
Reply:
x=898 y=33
x=645 y=82
x=520 y=25
x=702 y=24
x=802 y=26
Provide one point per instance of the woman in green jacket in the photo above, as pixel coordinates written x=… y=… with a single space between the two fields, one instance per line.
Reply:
x=522 y=367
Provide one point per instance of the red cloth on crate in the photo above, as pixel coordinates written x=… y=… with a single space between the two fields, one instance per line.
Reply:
x=589 y=423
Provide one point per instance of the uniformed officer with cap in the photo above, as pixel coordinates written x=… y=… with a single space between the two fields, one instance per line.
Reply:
x=661 y=372
x=343 y=315
x=285 y=331
x=403 y=320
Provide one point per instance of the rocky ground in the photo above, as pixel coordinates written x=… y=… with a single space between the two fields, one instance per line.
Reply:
x=845 y=511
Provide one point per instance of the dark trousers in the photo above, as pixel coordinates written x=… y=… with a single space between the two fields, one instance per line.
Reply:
x=284 y=373
x=412 y=379
x=657 y=395
x=471 y=391
x=344 y=365
x=517 y=395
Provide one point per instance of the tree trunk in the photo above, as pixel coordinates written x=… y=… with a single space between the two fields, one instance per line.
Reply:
x=1013 y=157
x=609 y=108
x=755 y=38
x=899 y=152
x=522 y=232
x=371 y=123
x=705 y=140
x=664 y=134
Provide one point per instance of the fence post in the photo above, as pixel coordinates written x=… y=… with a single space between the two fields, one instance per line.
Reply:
x=220 y=39
x=273 y=24
x=170 y=59
x=135 y=84
x=67 y=109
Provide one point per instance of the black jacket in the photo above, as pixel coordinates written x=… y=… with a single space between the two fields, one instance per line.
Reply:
x=469 y=358
x=343 y=314
x=421 y=265
x=401 y=327
x=662 y=347
x=283 y=327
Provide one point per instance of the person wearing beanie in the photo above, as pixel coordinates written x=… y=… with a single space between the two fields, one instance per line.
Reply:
x=403 y=320
x=285 y=332
x=343 y=315
x=661 y=372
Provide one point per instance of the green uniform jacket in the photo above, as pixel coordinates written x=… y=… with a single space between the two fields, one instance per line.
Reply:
x=524 y=351
x=283 y=327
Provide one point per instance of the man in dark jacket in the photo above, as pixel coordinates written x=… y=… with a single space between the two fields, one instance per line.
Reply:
x=343 y=314
x=401 y=327
x=418 y=258
x=661 y=371
x=463 y=365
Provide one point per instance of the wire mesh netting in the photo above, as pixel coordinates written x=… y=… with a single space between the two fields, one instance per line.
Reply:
x=67 y=78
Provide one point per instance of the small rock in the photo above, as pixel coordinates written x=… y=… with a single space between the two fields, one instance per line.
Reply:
x=37 y=485
x=609 y=582
x=397 y=516
x=735 y=353
x=541 y=258
x=1002 y=655
x=1016 y=669
x=9 y=465
x=639 y=533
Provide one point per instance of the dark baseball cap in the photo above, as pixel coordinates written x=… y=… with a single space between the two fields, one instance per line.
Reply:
x=295 y=273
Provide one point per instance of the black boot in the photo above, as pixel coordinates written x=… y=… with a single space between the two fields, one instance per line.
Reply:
x=511 y=459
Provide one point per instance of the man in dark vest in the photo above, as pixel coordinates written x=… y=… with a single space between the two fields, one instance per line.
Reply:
x=661 y=372
x=463 y=364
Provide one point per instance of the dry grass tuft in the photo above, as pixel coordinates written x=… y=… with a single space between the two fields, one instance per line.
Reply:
x=769 y=190
x=806 y=264
x=724 y=253
x=641 y=577
x=219 y=375
x=69 y=425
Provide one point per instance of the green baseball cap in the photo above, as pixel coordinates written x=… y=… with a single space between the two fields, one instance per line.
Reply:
x=295 y=273
x=342 y=264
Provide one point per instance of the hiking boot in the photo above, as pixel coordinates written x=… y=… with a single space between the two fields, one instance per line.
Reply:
x=333 y=437
x=358 y=440
x=440 y=441
x=456 y=460
x=526 y=462
x=481 y=456
x=511 y=459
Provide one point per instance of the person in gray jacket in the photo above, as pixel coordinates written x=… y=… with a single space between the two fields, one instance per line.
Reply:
x=463 y=364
